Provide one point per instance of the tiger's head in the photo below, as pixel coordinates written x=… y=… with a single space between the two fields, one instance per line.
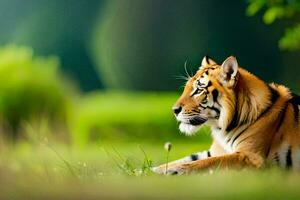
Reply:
x=208 y=97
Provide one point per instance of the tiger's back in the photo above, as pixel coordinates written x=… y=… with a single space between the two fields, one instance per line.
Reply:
x=285 y=147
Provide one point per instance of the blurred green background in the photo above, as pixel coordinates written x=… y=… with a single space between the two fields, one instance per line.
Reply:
x=79 y=75
x=111 y=69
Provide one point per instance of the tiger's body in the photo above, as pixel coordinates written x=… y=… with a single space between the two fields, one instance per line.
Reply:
x=252 y=123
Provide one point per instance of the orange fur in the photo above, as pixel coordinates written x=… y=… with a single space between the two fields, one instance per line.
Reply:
x=252 y=123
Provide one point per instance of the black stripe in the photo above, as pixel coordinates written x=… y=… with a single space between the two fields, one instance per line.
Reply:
x=208 y=154
x=196 y=92
x=228 y=140
x=274 y=94
x=199 y=83
x=289 y=158
x=234 y=122
x=268 y=151
x=207 y=59
x=236 y=137
x=194 y=157
x=273 y=98
x=276 y=158
x=212 y=108
x=282 y=117
x=215 y=109
x=208 y=84
x=295 y=101
x=215 y=95
x=196 y=111
x=296 y=112
x=242 y=140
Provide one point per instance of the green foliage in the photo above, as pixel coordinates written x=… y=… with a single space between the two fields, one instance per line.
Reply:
x=255 y=6
x=54 y=27
x=291 y=38
x=135 y=48
x=279 y=9
x=30 y=89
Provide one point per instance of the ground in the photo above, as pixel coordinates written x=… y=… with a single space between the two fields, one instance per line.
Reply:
x=121 y=171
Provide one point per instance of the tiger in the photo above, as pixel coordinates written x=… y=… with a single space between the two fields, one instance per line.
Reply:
x=253 y=124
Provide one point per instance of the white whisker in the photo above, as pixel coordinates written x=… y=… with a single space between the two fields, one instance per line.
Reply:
x=181 y=77
x=185 y=69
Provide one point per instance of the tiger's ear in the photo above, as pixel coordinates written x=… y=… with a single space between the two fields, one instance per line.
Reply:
x=229 y=71
x=207 y=61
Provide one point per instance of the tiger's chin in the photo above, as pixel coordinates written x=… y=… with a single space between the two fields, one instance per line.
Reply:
x=189 y=129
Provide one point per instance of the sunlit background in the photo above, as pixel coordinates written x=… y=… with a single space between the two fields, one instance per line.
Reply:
x=86 y=87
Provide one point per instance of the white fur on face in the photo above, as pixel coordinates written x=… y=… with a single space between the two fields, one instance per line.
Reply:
x=188 y=129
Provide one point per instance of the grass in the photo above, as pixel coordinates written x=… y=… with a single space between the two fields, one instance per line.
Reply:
x=108 y=171
x=127 y=116
x=128 y=138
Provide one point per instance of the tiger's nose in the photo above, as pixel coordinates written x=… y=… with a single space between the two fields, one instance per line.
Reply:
x=177 y=110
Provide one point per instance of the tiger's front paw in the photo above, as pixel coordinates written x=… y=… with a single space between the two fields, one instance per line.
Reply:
x=172 y=170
